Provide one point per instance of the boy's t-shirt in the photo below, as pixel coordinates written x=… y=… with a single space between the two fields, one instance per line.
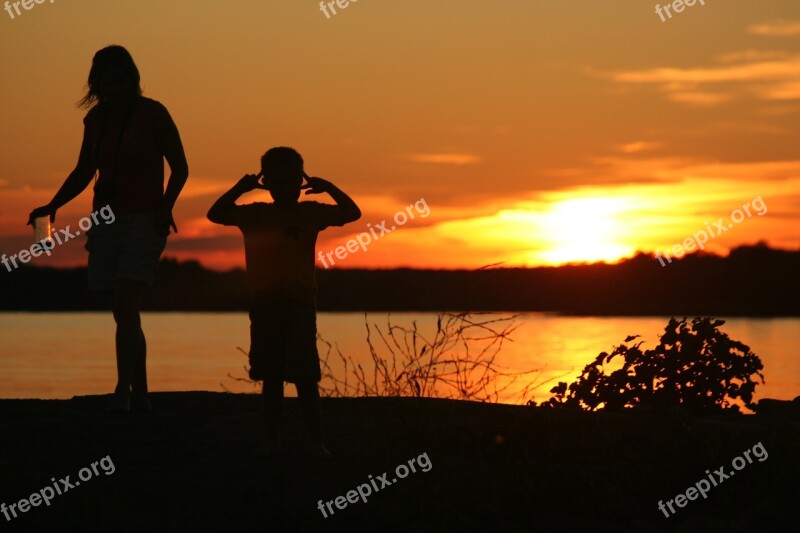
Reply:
x=279 y=246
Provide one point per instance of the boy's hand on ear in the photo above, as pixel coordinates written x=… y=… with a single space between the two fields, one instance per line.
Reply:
x=316 y=185
x=250 y=182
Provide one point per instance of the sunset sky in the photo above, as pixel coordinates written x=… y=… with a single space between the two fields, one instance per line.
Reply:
x=538 y=132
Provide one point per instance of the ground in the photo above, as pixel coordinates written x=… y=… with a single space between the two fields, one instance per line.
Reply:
x=188 y=466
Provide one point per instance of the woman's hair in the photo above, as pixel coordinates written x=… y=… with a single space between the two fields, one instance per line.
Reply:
x=110 y=57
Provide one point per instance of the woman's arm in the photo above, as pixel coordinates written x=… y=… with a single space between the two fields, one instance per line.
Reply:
x=172 y=148
x=76 y=182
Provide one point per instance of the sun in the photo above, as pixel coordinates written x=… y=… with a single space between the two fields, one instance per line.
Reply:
x=585 y=230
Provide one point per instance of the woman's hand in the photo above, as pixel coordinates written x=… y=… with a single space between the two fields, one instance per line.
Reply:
x=164 y=221
x=45 y=210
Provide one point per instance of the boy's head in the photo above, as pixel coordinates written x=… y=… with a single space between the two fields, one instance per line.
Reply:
x=282 y=168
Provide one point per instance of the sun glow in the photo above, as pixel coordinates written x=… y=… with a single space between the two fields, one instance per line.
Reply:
x=558 y=228
x=585 y=229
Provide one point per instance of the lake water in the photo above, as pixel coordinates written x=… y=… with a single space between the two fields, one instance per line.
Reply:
x=60 y=355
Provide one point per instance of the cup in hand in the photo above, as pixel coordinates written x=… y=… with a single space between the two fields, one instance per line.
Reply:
x=41 y=229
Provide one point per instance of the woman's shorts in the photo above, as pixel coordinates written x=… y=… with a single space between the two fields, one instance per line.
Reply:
x=128 y=248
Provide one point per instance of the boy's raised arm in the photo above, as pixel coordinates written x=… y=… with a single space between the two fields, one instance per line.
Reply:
x=223 y=208
x=350 y=211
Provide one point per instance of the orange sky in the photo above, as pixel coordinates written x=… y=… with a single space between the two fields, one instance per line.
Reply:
x=537 y=132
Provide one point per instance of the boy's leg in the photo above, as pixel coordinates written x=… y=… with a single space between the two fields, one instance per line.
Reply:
x=272 y=397
x=308 y=397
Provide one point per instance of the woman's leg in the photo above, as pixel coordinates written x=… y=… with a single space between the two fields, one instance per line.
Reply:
x=139 y=384
x=130 y=340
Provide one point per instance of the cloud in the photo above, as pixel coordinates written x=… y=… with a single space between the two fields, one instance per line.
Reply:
x=776 y=79
x=204 y=186
x=445 y=159
x=681 y=77
x=699 y=98
x=786 y=28
x=751 y=55
x=783 y=91
x=637 y=146
x=619 y=171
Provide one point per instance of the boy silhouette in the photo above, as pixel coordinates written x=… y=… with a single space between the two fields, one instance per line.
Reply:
x=279 y=242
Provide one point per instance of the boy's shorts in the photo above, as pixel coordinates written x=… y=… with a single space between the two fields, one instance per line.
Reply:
x=128 y=248
x=283 y=340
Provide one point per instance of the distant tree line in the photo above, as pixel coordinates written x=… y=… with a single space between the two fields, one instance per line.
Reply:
x=751 y=281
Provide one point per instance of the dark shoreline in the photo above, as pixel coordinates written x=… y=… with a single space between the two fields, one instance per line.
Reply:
x=508 y=468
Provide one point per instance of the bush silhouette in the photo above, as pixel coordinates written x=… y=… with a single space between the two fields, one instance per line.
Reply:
x=695 y=365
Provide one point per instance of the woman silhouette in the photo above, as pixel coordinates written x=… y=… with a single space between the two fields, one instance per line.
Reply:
x=125 y=140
